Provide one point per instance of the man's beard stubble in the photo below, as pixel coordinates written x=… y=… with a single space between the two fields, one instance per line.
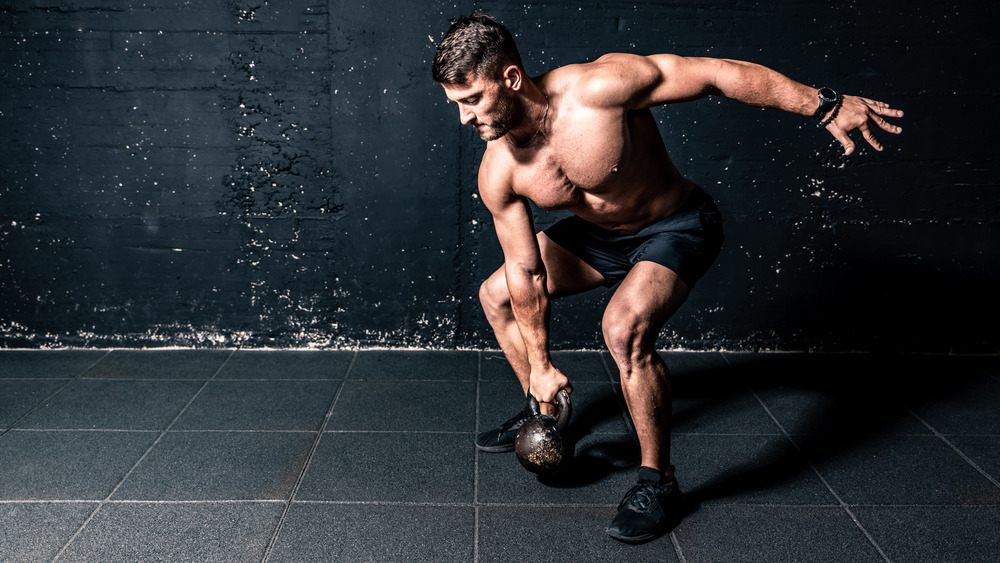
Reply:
x=506 y=115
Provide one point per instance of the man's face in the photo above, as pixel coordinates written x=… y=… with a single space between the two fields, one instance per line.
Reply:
x=486 y=105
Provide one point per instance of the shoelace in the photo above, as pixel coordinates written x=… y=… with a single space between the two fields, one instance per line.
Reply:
x=640 y=498
x=516 y=420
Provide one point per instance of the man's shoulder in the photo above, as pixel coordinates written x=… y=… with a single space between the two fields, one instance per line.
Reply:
x=589 y=83
x=496 y=171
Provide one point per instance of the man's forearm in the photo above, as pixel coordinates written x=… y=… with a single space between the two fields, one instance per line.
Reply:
x=530 y=304
x=759 y=86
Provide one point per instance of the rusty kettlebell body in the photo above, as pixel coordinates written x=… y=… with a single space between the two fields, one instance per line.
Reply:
x=542 y=445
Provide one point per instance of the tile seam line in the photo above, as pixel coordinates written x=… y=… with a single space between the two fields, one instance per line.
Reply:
x=66 y=383
x=457 y=504
x=677 y=547
x=954 y=448
x=273 y=540
x=990 y=374
x=128 y=474
x=221 y=379
x=843 y=505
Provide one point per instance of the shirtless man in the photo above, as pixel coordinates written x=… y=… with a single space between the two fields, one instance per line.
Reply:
x=582 y=138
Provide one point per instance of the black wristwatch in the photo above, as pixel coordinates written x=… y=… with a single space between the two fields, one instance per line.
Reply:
x=827 y=99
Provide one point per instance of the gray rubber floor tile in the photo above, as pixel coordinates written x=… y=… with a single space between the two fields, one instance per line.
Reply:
x=494 y=367
x=815 y=411
x=61 y=465
x=970 y=408
x=920 y=470
x=46 y=364
x=375 y=533
x=921 y=534
x=439 y=406
x=287 y=364
x=829 y=393
x=752 y=534
x=745 y=469
x=982 y=450
x=176 y=532
x=416 y=364
x=86 y=404
x=219 y=466
x=391 y=467
x=721 y=412
x=159 y=364
x=259 y=405
x=565 y=533
x=18 y=398
x=696 y=365
x=833 y=373
x=35 y=532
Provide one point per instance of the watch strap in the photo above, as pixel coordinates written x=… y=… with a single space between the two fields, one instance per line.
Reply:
x=828 y=99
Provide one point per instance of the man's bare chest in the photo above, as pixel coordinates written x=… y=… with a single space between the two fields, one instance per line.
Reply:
x=571 y=164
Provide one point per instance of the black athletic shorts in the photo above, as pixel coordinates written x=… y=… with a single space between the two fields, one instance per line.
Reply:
x=687 y=242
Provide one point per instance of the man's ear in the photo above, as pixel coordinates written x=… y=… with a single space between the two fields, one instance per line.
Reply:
x=512 y=77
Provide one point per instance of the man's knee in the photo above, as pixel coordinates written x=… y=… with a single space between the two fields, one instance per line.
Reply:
x=630 y=339
x=493 y=294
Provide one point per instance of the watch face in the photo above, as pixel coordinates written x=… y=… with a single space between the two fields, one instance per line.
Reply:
x=828 y=94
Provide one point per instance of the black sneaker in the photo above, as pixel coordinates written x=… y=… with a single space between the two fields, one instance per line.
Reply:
x=501 y=439
x=650 y=509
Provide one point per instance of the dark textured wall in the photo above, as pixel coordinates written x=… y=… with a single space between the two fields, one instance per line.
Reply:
x=259 y=173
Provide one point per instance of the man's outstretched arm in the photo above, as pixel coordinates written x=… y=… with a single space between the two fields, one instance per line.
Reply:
x=640 y=82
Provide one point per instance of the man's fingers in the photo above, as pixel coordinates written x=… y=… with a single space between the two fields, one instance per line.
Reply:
x=883 y=108
x=866 y=132
x=841 y=136
x=886 y=126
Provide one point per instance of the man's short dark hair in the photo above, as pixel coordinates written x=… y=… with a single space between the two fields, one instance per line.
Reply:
x=475 y=46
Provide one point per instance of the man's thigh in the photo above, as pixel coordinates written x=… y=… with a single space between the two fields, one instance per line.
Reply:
x=566 y=273
x=648 y=296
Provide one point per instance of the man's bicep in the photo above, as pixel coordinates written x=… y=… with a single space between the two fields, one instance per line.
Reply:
x=637 y=82
x=681 y=79
x=512 y=218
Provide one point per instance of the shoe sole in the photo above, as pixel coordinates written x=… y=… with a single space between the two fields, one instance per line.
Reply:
x=496 y=449
x=635 y=539
x=662 y=529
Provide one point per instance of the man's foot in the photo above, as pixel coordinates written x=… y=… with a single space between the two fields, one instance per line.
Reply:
x=650 y=509
x=501 y=439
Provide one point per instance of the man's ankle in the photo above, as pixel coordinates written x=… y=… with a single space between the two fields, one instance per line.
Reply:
x=656 y=475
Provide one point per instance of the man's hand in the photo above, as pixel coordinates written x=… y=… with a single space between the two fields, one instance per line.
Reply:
x=858 y=113
x=544 y=384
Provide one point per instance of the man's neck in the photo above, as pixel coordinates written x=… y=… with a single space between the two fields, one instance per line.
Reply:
x=536 y=111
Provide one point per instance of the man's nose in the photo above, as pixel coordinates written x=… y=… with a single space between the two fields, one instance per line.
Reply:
x=465 y=116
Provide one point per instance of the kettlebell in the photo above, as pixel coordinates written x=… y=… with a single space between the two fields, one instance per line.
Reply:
x=541 y=444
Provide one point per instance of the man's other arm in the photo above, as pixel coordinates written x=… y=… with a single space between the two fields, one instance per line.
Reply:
x=635 y=81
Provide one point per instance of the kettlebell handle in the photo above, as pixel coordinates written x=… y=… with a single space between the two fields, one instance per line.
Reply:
x=562 y=412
